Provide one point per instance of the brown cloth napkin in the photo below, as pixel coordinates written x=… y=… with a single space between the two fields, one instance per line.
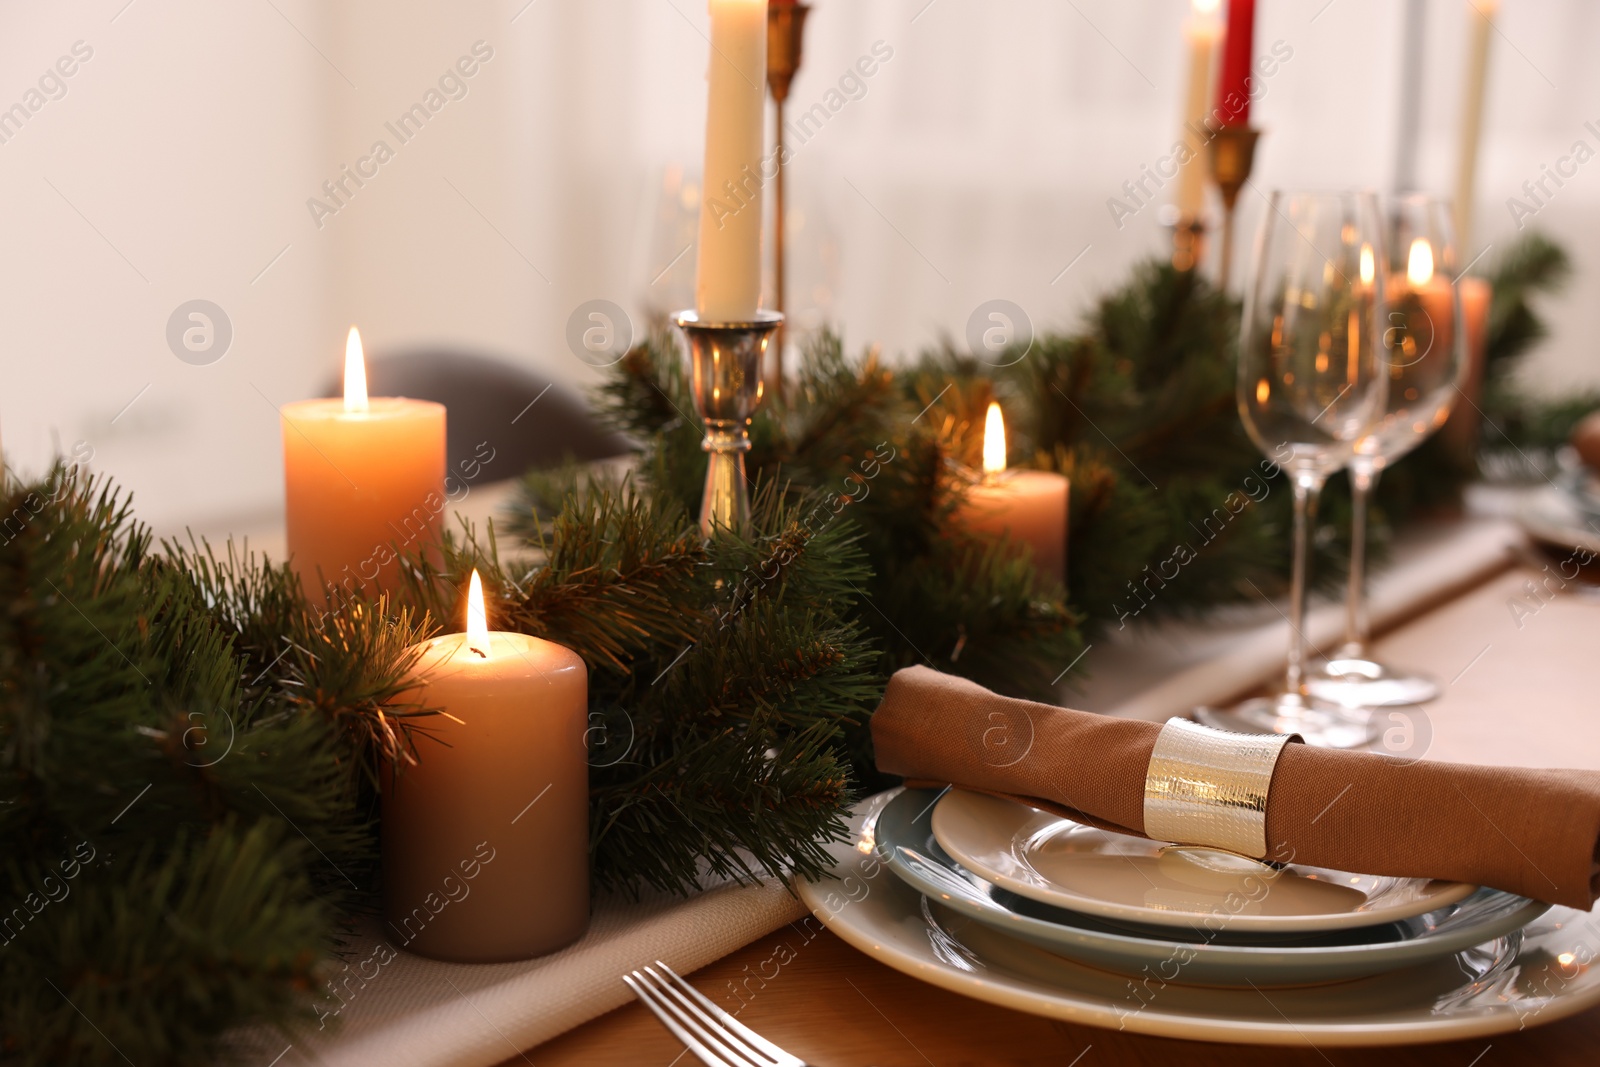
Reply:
x=1535 y=833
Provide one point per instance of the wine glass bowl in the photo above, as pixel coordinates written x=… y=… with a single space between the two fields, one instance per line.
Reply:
x=1308 y=388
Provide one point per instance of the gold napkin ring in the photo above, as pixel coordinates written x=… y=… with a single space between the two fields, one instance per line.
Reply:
x=1209 y=787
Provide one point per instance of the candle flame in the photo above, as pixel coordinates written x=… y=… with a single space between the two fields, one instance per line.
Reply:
x=1419 y=267
x=355 y=373
x=1205 y=7
x=1369 y=269
x=477 y=617
x=994 y=440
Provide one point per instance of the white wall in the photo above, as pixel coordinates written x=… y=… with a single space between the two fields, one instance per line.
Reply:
x=977 y=165
x=166 y=173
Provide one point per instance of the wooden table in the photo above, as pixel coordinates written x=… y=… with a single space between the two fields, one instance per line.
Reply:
x=1517 y=661
x=837 y=1008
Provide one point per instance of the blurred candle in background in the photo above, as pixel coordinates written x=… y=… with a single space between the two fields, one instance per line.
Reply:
x=1435 y=292
x=1238 y=52
x=1425 y=302
x=1201 y=31
x=1462 y=431
x=486 y=835
x=1029 y=506
x=1480 y=19
x=363 y=481
x=728 y=270
x=1408 y=124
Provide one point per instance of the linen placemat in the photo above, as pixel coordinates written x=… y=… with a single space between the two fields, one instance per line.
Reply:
x=415 y=1012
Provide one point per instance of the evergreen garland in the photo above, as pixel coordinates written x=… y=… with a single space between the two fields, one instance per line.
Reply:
x=181 y=828
x=1174 y=509
x=188 y=814
x=1137 y=410
x=860 y=442
x=723 y=675
x=1514 y=421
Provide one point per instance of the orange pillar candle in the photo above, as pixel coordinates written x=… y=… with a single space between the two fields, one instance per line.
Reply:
x=1426 y=310
x=486 y=835
x=363 y=480
x=1030 y=506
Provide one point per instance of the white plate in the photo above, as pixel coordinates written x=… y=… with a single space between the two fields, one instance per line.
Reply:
x=1115 y=876
x=1557 y=518
x=1538 y=975
x=1216 y=958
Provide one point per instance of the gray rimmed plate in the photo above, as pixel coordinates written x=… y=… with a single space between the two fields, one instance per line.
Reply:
x=1205 y=954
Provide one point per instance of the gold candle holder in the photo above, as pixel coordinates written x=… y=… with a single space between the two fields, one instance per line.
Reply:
x=785 y=27
x=725 y=362
x=1233 y=150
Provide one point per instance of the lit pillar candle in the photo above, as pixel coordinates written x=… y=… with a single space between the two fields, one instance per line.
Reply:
x=728 y=270
x=486 y=835
x=1029 y=506
x=363 y=478
x=1431 y=294
x=1200 y=34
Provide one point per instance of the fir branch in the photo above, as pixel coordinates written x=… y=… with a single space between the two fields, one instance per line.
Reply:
x=222 y=808
x=153 y=954
x=1533 y=265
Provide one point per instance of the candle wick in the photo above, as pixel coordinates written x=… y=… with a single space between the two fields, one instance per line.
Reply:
x=479 y=651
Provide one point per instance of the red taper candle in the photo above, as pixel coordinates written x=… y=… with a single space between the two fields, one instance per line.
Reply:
x=1238 y=52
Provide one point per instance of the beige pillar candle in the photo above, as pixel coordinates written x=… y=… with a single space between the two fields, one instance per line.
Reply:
x=1029 y=506
x=728 y=269
x=1201 y=31
x=363 y=480
x=486 y=836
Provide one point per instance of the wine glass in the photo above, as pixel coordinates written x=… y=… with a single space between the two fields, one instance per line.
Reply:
x=1311 y=386
x=1424 y=356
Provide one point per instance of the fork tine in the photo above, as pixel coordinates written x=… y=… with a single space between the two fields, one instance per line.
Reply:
x=724 y=1034
x=773 y=1052
x=690 y=1013
x=674 y=1019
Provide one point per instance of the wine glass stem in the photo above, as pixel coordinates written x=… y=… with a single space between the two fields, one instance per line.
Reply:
x=1357 y=625
x=1307 y=488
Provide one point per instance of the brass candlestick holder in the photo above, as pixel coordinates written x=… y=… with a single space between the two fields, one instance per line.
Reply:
x=786 y=24
x=1233 y=150
x=725 y=359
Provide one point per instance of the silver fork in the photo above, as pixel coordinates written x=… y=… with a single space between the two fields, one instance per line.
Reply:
x=710 y=1033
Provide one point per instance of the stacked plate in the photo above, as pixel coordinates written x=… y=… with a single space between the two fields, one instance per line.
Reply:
x=1018 y=906
x=1565 y=514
